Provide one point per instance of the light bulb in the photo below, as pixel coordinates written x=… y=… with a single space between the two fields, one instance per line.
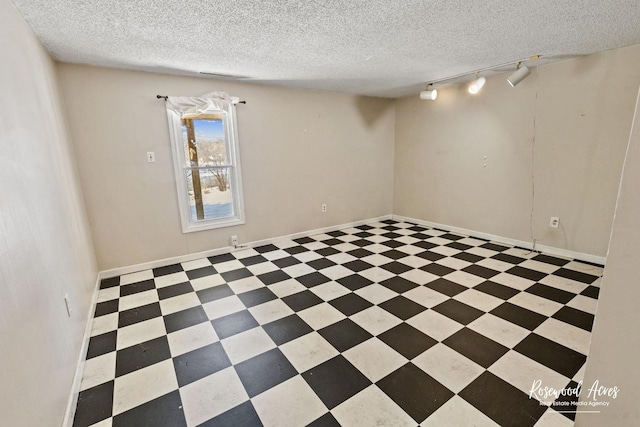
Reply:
x=477 y=85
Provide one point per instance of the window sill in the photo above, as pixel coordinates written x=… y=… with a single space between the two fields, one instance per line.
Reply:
x=211 y=225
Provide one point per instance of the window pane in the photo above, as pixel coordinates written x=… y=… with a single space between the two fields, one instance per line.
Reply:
x=208 y=145
x=210 y=194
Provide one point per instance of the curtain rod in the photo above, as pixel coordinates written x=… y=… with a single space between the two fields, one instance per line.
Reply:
x=165 y=97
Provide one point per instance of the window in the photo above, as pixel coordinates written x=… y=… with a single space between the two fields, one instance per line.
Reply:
x=206 y=162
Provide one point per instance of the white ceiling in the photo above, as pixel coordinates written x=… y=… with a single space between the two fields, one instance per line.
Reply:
x=384 y=48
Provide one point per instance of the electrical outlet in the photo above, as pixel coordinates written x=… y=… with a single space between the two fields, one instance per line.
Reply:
x=67 y=304
x=234 y=241
x=554 y=222
x=324 y=208
x=151 y=157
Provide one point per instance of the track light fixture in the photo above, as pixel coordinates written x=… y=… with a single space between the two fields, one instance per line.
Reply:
x=429 y=94
x=520 y=74
x=477 y=85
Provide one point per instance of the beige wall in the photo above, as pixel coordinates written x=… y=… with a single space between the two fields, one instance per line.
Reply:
x=582 y=110
x=45 y=248
x=615 y=342
x=298 y=149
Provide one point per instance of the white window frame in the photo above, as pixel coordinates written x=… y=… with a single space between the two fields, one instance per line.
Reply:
x=212 y=103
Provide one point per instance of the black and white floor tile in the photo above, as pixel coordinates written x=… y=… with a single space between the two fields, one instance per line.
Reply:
x=388 y=323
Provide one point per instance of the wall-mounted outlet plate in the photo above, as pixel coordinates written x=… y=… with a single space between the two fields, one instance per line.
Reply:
x=233 y=240
x=324 y=208
x=554 y=222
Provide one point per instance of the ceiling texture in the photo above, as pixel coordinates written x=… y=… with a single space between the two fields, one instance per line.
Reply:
x=387 y=48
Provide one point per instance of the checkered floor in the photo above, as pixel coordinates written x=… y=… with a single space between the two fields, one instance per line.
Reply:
x=384 y=324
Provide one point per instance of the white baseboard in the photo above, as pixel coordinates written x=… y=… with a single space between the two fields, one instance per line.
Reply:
x=77 y=377
x=119 y=271
x=198 y=255
x=507 y=241
x=317 y=231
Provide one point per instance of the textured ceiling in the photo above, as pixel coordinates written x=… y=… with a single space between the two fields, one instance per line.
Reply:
x=373 y=47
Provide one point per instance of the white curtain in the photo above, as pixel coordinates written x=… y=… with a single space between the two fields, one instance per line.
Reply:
x=182 y=105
